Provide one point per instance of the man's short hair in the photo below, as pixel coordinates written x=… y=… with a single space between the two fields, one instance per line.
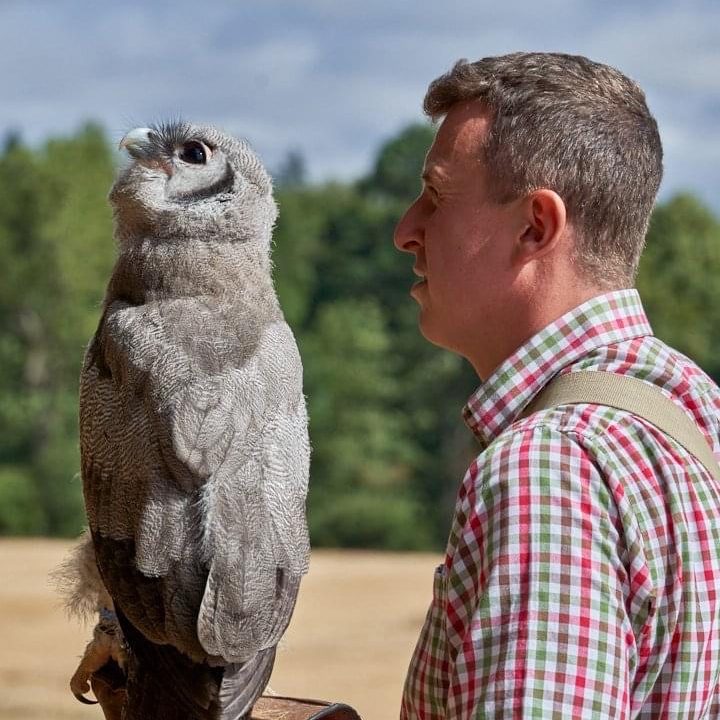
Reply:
x=577 y=127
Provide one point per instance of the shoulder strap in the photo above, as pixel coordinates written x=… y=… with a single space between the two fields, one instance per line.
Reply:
x=633 y=395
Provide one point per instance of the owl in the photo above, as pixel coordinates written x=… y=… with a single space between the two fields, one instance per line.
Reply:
x=193 y=431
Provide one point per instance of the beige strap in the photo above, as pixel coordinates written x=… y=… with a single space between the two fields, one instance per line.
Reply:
x=634 y=396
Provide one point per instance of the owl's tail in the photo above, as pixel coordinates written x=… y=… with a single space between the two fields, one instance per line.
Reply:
x=164 y=684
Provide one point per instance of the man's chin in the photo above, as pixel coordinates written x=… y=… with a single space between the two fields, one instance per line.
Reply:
x=429 y=329
x=429 y=320
x=437 y=333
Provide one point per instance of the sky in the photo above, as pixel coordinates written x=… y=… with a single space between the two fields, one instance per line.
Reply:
x=333 y=79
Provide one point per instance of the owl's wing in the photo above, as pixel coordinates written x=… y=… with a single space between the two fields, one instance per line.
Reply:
x=255 y=568
x=195 y=476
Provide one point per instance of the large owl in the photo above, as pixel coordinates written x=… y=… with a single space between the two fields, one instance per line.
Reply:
x=193 y=429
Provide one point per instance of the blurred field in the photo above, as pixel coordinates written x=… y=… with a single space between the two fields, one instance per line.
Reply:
x=351 y=637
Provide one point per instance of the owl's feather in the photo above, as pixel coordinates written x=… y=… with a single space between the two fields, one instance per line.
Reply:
x=193 y=426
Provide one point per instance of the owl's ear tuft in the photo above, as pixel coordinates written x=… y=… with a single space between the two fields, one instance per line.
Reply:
x=172 y=133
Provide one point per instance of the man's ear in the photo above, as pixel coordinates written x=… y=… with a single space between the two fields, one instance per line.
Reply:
x=543 y=223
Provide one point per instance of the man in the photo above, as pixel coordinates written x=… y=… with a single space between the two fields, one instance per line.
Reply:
x=582 y=573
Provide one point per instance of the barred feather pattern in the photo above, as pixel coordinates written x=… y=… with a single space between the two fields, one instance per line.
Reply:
x=193 y=428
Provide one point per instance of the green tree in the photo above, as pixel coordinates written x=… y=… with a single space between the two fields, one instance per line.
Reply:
x=292 y=171
x=399 y=164
x=298 y=243
x=389 y=445
x=56 y=252
x=678 y=279
x=361 y=494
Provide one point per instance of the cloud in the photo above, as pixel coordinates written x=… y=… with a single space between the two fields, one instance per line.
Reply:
x=335 y=79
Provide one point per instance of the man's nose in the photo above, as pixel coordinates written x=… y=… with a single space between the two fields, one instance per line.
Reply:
x=408 y=232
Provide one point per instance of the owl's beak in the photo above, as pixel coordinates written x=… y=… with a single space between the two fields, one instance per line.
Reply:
x=139 y=144
x=136 y=140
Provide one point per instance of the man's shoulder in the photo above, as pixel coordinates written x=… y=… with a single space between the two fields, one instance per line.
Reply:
x=544 y=443
x=542 y=439
x=654 y=361
x=648 y=359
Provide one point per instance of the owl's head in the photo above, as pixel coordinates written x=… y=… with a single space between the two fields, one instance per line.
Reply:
x=192 y=181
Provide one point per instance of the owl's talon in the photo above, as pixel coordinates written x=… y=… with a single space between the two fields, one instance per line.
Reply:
x=79 y=683
x=84 y=700
x=106 y=645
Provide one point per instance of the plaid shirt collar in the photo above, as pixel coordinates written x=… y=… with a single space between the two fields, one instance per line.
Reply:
x=602 y=320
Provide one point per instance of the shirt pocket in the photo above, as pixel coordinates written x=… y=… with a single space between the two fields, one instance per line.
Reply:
x=425 y=694
x=440 y=586
x=437 y=619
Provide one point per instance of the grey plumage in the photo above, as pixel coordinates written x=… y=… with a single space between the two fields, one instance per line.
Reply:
x=193 y=427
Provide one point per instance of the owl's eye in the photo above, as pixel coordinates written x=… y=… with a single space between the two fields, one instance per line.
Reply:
x=194 y=152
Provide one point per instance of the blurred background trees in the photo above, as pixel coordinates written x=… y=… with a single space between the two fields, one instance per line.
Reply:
x=389 y=445
x=55 y=255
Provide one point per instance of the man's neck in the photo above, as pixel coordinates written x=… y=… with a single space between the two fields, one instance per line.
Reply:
x=522 y=322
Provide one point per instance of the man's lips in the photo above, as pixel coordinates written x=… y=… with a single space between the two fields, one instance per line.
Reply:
x=418 y=286
x=420 y=271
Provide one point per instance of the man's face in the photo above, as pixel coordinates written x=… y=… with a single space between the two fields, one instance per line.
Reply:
x=461 y=239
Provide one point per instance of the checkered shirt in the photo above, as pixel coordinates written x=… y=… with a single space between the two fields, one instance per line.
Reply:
x=582 y=572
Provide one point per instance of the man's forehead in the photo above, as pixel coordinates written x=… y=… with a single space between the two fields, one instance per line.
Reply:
x=459 y=137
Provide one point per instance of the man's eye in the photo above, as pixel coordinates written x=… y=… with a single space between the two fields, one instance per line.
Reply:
x=194 y=152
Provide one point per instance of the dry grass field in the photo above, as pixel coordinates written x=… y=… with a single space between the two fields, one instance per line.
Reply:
x=350 y=639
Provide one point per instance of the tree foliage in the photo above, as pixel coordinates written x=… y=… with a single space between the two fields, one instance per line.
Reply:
x=55 y=253
x=389 y=445
x=679 y=279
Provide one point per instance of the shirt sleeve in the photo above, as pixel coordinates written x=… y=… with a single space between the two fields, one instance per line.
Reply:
x=534 y=604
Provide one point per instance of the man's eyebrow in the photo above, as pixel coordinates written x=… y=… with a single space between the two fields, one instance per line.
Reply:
x=431 y=174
